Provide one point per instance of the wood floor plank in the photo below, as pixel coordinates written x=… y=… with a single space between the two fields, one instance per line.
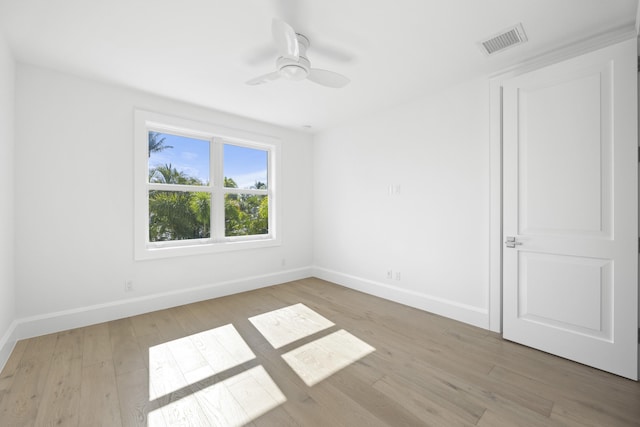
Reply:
x=165 y=377
x=133 y=397
x=99 y=403
x=440 y=402
x=207 y=364
x=443 y=394
x=209 y=318
x=348 y=411
x=127 y=356
x=291 y=385
x=14 y=359
x=423 y=407
x=186 y=320
x=147 y=342
x=373 y=400
x=97 y=344
x=594 y=414
x=220 y=406
x=144 y=324
x=502 y=419
x=19 y=407
x=167 y=324
x=276 y=417
x=541 y=366
x=8 y=373
x=185 y=410
x=60 y=404
x=589 y=405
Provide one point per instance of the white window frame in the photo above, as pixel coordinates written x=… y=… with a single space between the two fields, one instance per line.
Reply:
x=218 y=136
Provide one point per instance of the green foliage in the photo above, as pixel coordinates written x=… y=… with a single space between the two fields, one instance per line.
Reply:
x=181 y=215
x=246 y=214
x=172 y=216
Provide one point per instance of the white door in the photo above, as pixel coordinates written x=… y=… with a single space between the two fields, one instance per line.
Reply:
x=570 y=194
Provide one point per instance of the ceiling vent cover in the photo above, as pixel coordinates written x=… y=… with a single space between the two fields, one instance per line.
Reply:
x=508 y=38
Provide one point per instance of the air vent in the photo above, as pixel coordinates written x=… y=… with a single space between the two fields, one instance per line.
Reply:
x=510 y=37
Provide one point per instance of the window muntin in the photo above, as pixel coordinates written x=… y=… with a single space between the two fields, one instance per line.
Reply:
x=186 y=203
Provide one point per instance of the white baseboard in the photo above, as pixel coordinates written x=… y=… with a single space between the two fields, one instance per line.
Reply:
x=454 y=310
x=48 y=323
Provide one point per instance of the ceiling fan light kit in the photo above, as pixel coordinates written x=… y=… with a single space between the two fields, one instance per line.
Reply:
x=292 y=63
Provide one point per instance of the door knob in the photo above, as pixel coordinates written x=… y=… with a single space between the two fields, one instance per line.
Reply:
x=511 y=242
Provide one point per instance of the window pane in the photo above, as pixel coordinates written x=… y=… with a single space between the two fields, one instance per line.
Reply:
x=245 y=167
x=179 y=215
x=178 y=160
x=246 y=214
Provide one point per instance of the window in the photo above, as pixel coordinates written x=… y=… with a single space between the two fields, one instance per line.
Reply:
x=202 y=188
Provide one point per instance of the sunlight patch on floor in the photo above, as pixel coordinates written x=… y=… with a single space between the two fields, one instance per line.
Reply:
x=319 y=359
x=190 y=381
x=235 y=401
x=179 y=363
x=289 y=324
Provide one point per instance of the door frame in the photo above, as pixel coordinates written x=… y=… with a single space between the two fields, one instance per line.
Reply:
x=495 y=152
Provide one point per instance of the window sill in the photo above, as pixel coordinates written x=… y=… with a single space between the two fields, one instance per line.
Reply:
x=151 y=252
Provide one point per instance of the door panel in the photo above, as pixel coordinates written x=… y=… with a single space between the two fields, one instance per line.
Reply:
x=560 y=121
x=549 y=283
x=570 y=199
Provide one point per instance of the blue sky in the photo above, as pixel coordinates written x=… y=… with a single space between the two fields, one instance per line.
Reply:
x=191 y=156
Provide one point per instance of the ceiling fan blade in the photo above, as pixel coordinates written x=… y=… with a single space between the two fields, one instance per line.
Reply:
x=286 y=39
x=264 y=79
x=327 y=78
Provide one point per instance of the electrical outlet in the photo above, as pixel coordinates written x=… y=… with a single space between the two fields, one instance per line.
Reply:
x=389 y=274
x=128 y=285
x=397 y=275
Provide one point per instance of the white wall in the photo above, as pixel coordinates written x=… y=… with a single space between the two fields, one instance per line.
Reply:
x=7 y=275
x=435 y=232
x=74 y=208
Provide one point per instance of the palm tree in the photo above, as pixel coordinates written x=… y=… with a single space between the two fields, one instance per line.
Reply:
x=156 y=144
x=167 y=174
x=177 y=215
x=230 y=183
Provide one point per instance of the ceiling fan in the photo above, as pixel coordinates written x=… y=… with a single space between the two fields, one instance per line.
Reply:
x=292 y=63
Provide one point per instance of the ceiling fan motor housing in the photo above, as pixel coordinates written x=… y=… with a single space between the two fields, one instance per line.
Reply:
x=293 y=70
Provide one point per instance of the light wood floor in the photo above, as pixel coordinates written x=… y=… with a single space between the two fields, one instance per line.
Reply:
x=208 y=364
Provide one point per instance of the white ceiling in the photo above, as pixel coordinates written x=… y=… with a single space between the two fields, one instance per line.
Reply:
x=202 y=51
